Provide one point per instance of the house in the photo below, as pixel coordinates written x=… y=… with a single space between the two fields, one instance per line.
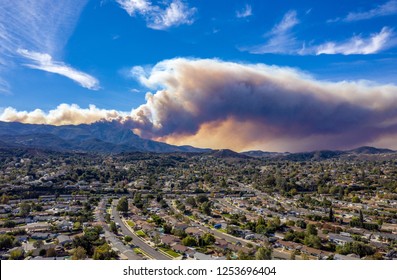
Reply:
x=64 y=239
x=40 y=235
x=201 y=256
x=169 y=239
x=194 y=231
x=221 y=243
x=339 y=239
x=181 y=226
x=179 y=248
x=348 y=257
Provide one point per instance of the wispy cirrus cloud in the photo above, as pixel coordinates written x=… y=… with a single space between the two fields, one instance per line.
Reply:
x=386 y=9
x=357 y=44
x=44 y=62
x=44 y=26
x=244 y=12
x=280 y=39
x=160 y=17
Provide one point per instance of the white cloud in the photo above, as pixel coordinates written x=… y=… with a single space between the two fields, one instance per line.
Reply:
x=173 y=14
x=245 y=12
x=356 y=45
x=281 y=38
x=44 y=26
x=386 y=9
x=43 y=61
x=62 y=115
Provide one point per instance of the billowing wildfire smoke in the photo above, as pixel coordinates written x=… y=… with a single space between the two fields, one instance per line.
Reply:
x=211 y=103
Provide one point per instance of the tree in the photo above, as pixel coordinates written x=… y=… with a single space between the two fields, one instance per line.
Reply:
x=263 y=253
x=361 y=217
x=127 y=238
x=122 y=205
x=191 y=201
x=312 y=241
x=6 y=241
x=38 y=243
x=79 y=253
x=206 y=208
x=311 y=229
x=208 y=239
x=331 y=215
x=51 y=253
x=4 y=199
x=104 y=252
x=113 y=227
x=16 y=254
x=261 y=221
x=9 y=224
x=157 y=239
x=201 y=198
x=76 y=226
x=24 y=209
x=189 y=241
x=167 y=228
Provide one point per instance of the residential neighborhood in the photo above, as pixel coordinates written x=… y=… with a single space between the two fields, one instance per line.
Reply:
x=185 y=206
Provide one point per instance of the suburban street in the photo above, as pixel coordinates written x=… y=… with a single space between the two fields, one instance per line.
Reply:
x=135 y=239
x=111 y=237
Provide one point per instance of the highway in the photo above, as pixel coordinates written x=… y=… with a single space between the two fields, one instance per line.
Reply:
x=110 y=236
x=135 y=239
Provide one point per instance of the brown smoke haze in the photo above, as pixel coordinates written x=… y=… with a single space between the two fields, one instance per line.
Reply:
x=211 y=103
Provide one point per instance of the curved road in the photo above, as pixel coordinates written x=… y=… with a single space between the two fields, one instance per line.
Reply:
x=111 y=237
x=135 y=239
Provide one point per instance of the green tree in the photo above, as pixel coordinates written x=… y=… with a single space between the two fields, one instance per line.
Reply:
x=312 y=241
x=104 y=252
x=113 y=227
x=191 y=201
x=51 y=253
x=9 y=224
x=208 y=239
x=16 y=254
x=311 y=229
x=331 y=215
x=361 y=217
x=127 y=238
x=189 y=241
x=263 y=253
x=206 y=208
x=38 y=243
x=122 y=205
x=24 y=209
x=79 y=253
x=4 y=199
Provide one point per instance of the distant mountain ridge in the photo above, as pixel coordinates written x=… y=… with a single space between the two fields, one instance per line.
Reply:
x=319 y=155
x=114 y=138
x=102 y=137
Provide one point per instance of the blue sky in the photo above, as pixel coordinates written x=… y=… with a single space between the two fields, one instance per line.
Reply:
x=83 y=52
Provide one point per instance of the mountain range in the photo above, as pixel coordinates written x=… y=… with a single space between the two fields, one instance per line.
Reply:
x=113 y=138
x=101 y=137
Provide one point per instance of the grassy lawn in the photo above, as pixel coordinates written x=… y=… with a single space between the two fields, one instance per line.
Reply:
x=140 y=233
x=131 y=223
x=170 y=252
x=109 y=210
x=138 y=251
x=222 y=230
